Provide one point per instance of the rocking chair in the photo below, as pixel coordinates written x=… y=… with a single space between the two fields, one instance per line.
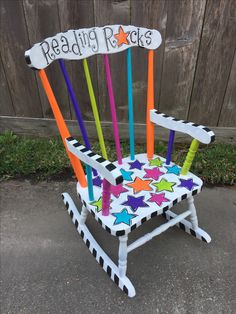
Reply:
x=124 y=194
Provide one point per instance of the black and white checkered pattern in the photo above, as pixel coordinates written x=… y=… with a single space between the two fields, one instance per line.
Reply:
x=199 y=132
x=104 y=167
x=143 y=220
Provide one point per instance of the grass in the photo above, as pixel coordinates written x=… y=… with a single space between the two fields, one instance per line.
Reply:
x=45 y=159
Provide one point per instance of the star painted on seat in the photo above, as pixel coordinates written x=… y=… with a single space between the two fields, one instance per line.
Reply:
x=135 y=202
x=123 y=217
x=98 y=204
x=188 y=184
x=127 y=175
x=136 y=164
x=116 y=190
x=140 y=185
x=173 y=169
x=158 y=198
x=97 y=181
x=122 y=37
x=164 y=185
x=153 y=173
x=156 y=162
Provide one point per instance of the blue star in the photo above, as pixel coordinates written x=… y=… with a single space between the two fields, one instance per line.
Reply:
x=174 y=169
x=126 y=174
x=123 y=217
x=136 y=165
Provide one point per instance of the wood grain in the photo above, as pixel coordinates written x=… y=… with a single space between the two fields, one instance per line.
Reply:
x=43 y=21
x=228 y=110
x=113 y=12
x=184 y=25
x=214 y=62
x=154 y=16
x=13 y=43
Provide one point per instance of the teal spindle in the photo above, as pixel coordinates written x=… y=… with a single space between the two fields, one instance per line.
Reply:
x=130 y=103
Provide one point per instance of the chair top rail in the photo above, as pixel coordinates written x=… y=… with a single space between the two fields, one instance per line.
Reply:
x=199 y=132
x=82 y=43
x=104 y=167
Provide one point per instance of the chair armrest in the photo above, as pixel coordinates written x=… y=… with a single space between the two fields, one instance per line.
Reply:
x=106 y=168
x=199 y=132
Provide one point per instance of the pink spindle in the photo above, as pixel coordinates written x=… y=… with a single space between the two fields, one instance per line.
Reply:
x=106 y=195
x=113 y=109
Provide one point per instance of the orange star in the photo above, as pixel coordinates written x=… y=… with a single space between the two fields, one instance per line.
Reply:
x=122 y=37
x=140 y=185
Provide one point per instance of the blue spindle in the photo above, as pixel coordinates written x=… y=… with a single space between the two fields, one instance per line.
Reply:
x=130 y=104
x=170 y=146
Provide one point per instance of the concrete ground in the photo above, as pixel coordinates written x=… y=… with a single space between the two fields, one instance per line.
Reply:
x=46 y=268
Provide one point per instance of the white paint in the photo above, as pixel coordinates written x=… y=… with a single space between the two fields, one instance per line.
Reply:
x=123 y=255
x=85 y=42
x=193 y=217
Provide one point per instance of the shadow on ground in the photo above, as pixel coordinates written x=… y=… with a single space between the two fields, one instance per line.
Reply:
x=46 y=268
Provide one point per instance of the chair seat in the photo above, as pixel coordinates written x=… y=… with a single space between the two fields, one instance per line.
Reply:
x=150 y=188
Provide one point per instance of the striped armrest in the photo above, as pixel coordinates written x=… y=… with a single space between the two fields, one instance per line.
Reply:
x=105 y=168
x=199 y=132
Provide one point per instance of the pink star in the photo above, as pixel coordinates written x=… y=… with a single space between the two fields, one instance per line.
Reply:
x=116 y=190
x=154 y=173
x=158 y=198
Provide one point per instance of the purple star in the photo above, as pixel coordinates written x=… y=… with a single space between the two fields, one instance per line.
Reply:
x=135 y=202
x=188 y=184
x=136 y=165
x=97 y=181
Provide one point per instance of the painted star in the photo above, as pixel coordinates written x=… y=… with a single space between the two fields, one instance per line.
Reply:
x=98 y=204
x=153 y=173
x=156 y=162
x=123 y=217
x=158 y=198
x=122 y=37
x=127 y=175
x=188 y=184
x=136 y=165
x=116 y=190
x=140 y=185
x=97 y=181
x=173 y=169
x=135 y=202
x=164 y=185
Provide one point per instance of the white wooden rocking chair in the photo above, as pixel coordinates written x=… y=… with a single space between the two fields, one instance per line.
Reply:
x=124 y=194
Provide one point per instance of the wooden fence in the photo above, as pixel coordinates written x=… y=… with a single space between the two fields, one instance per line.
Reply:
x=195 y=67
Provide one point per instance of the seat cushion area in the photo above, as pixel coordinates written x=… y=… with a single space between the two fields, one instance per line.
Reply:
x=150 y=188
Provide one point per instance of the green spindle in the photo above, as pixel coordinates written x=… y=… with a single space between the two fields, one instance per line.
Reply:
x=190 y=156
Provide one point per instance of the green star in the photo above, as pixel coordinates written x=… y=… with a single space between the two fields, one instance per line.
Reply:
x=156 y=162
x=98 y=204
x=164 y=185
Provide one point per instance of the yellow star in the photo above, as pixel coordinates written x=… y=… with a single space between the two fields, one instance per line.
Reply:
x=164 y=185
x=122 y=37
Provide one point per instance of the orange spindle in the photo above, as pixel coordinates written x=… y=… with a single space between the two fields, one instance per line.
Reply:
x=150 y=105
x=62 y=128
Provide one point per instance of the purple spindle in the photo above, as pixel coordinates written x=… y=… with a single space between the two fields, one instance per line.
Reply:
x=170 y=146
x=113 y=109
x=106 y=195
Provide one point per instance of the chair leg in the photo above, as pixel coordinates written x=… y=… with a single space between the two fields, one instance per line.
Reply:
x=84 y=214
x=193 y=216
x=122 y=263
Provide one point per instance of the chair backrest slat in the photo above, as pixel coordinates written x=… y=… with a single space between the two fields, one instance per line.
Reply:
x=94 y=108
x=113 y=109
x=170 y=146
x=130 y=104
x=62 y=127
x=150 y=105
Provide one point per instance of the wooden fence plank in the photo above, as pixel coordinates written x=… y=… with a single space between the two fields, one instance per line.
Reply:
x=13 y=42
x=47 y=127
x=214 y=62
x=113 y=12
x=74 y=15
x=42 y=21
x=6 y=106
x=228 y=110
x=154 y=15
x=184 y=25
